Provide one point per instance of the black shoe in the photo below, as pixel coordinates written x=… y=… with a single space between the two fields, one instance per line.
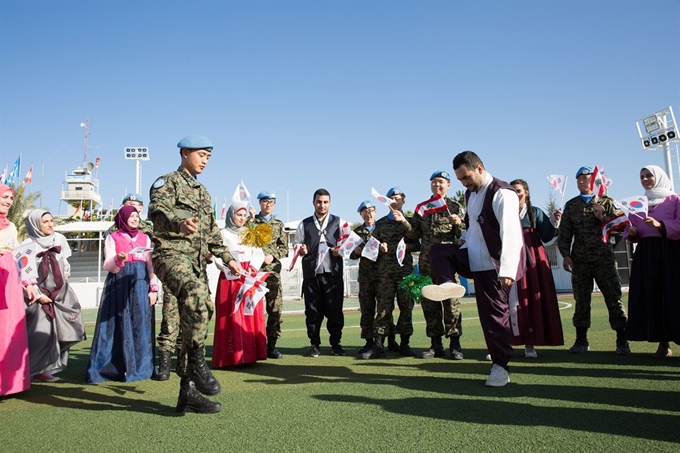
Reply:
x=367 y=347
x=190 y=400
x=376 y=352
x=313 y=351
x=580 y=346
x=622 y=348
x=163 y=366
x=456 y=353
x=434 y=351
x=200 y=374
x=406 y=351
x=273 y=353
x=392 y=344
x=337 y=350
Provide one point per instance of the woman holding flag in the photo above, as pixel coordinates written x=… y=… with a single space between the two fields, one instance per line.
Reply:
x=240 y=327
x=654 y=312
x=14 y=372
x=123 y=344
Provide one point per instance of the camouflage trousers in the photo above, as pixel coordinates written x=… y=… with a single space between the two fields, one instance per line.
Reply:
x=368 y=301
x=168 y=337
x=607 y=278
x=442 y=318
x=274 y=306
x=388 y=288
x=190 y=288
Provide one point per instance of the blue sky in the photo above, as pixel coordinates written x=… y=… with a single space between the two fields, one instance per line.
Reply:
x=345 y=95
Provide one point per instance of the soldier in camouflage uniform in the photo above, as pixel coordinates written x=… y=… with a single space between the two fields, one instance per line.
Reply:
x=185 y=235
x=273 y=252
x=590 y=258
x=443 y=227
x=390 y=230
x=168 y=338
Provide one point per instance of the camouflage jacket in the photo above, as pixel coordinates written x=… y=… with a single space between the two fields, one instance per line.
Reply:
x=580 y=224
x=278 y=247
x=173 y=198
x=391 y=232
x=368 y=269
x=436 y=228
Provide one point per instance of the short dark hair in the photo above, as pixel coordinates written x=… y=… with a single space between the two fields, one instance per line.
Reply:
x=467 y=159
x=320 y=192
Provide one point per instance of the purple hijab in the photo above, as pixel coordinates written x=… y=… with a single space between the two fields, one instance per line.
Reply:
x=121 y=220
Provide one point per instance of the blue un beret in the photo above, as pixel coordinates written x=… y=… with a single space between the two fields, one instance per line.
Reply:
x=584 y=171
x=132 y=197
x=441 y=174
x=395 y=191
x=196 y=142
x=364 y=204
x=264 y=195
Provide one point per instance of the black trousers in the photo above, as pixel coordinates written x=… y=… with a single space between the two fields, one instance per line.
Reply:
x=324 y=296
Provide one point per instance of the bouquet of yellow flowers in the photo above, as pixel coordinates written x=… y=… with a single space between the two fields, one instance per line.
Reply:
x=258 y=235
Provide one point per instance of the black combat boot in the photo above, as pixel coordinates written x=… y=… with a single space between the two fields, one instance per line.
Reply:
x=200 y=373
x=392 y=344
x=622 y=347
x=272 y=352
x=581 y=343
x=377 y=351
x=436 y=349
x=368 y=346
x=404 y=348
x=163 y=366
x=190 y=400
x=455 y=350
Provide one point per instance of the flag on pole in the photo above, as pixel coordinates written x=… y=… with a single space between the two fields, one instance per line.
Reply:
x=29 y=176
x=345 y=232
x=14 y=173
x=599 y=182
x=617 y=223
x=382 y=198
x=371 y=249
x=88 y=212
x=96 y=164
x=401 y=252
x=434 y=204
x=296 y=254
x=79 y=211
x=224 y=209
x=3 y=176
x=634 y=206
x=558 y=183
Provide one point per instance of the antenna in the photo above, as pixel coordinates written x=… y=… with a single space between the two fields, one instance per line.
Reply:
x=86 y=126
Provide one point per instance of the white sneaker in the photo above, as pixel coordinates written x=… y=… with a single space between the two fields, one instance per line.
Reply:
x=498 y=377
x=488 y=357
x=448 y=290
x=530 y=352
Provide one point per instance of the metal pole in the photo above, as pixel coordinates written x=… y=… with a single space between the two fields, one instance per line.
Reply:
x=138 y=182
x=669 y=163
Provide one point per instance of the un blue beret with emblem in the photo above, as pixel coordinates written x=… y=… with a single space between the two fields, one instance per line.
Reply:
x=264 y=195
x=395 y=191
x=584 y=171
x=196 y=142
x=441 y=174
x=364 y=204
x=132 y=197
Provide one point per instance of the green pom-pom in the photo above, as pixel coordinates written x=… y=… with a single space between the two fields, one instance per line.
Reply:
x=413 y=284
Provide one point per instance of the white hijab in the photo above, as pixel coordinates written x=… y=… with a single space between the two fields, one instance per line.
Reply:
x=661 y=189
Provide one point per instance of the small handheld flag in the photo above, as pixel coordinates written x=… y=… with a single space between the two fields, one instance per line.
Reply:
x=382 y=198
x=617 y=223
x=401 y=252
x=434 y=204
x=634 y=206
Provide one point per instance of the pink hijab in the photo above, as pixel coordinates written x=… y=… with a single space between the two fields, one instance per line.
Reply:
x=4 y=221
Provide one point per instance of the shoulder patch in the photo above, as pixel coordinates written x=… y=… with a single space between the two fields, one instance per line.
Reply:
x=160 y=182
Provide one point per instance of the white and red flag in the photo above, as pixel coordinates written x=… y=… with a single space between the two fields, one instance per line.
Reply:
x=349 y=244
x=241 y=194
x=224 y=209
x=401 y=252
x=434 y=204
x=371 y=249
x=296 y=254
x=251 y=293
x=558 y=183
x=29 y=176
x=600 y=182
x=617 y=223
x=382 y=198
x=634 y=206
x=96 y=164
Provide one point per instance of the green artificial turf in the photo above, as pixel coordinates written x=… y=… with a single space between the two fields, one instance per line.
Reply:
x=560 y=402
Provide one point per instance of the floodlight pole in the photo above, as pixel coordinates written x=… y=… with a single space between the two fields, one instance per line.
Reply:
x=138 y=177
x=669 y=163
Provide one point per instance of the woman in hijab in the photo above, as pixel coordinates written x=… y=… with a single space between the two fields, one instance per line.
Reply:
x=53 y=319
x=14 y=365
x=653 y=308
x=240 y=329
x=123 y=344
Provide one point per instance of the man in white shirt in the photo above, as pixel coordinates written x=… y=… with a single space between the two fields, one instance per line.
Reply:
x=491 y=252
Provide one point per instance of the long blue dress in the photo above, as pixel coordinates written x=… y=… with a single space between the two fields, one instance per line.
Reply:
x=123 y=347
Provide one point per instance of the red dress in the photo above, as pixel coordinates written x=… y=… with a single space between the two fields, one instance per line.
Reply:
x=240 y=337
